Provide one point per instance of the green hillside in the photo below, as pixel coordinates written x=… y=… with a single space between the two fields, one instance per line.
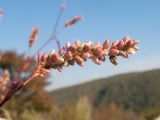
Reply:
x=139 y=91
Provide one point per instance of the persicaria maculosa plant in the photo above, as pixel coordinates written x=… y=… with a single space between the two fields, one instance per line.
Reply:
x=70 y=54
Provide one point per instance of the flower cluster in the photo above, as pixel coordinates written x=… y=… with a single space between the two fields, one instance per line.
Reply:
x=80 y=52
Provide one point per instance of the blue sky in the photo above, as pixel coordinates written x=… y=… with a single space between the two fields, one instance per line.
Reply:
x=104 y=19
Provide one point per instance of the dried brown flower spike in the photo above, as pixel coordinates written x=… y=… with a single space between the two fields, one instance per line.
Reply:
x=33 y=36
x=73 y=21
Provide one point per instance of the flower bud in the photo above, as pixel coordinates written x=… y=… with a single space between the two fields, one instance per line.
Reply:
x=102 y=58
x=114 y=51
x=97 y=46
x=99 y=52
x=135 y=42
x=77 y=43
x=126 y=39
x=106 y=44
x=123 y=54
x=73 y=48
x=71 y=62
x=51 y=53
x=81 y=64
x=131 y=50
x=105 y=52
x=65 y=64
x=129 y=44
x=62 y=51
x=96 y=60
x=59 y=69
x=81 y=47
x=113 y=59
x=68 y=55
x=54 y=57
x=114 y=44
x=60 y=60
x=87 y=47
x=78 y=59
x=136 y=48
x=120 y=44
x=86 y=55
x=68 y=45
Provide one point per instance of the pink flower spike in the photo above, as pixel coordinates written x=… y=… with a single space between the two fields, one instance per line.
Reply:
x=120 y=44
x=106 y=44
x=114 y=51
x=77 y=43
